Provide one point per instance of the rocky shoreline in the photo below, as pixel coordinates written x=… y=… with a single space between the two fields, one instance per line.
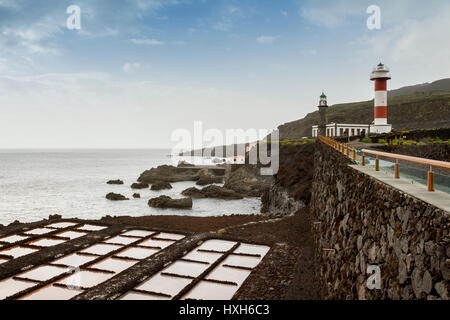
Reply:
x=244 y=181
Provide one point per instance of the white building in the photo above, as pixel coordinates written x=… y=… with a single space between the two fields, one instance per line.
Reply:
x=342 y=129
x=379 y=75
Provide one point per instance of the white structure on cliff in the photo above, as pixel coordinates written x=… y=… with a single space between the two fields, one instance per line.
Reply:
x=379 y=75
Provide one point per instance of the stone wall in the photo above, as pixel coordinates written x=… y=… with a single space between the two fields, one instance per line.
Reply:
x=360 y=221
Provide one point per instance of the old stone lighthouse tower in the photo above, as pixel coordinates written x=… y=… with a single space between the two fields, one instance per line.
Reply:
x=323 y=114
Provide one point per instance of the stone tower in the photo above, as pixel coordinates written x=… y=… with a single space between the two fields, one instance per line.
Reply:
x=323 y=114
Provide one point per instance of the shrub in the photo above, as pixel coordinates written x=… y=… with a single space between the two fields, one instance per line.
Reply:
x=366 y=140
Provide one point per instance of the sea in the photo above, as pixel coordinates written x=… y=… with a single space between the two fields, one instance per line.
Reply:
x=37 y=183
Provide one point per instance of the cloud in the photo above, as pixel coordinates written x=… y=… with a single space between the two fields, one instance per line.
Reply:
x=130 y=67
x=157 y=4
x=36 y=38
x=228 y=16
x=224 y=25
x=266 y=39
x=331 y=14
x=415 y=42
x=284 y=13
x=139 y=108
x=150 y=42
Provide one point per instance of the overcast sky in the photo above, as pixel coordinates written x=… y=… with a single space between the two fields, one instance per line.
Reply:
x=139 y=69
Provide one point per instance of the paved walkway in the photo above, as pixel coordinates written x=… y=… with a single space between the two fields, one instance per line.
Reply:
x=437 y=198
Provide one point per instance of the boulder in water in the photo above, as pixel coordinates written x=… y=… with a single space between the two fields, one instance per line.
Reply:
x=118 y=181
x=116 y=196
x=160 y=185
x=248 y=182
x=139 y=185
x=212 y=192
x=168 y=202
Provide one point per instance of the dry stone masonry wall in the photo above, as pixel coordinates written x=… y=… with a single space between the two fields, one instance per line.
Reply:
x=360 y=221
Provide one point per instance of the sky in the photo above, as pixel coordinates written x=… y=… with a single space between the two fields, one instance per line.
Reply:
x=138 y=70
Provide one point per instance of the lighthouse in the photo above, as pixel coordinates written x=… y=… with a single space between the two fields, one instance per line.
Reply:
x=380 y=75
x=323 y=106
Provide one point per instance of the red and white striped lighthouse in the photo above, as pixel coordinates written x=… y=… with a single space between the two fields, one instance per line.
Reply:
x=380 y=75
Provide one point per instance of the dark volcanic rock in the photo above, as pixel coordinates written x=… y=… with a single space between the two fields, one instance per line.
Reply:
x=185 y=164
x=168 y=174
x=168 y=202
x=248 y=181
x=208 y=179
x=54 y=216
x=139 y=185
x=136 y=195
x=161 y=185
x=291 y=189
x=118 y=181
x=212 y=192
x=115 y=196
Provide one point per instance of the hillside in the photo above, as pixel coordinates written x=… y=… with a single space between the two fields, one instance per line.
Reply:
x=419 y=110
x=439 y=85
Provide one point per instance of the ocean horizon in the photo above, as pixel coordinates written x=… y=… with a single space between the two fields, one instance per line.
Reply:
x=35 y=183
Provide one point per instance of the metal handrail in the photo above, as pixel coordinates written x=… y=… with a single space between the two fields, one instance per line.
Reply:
x=429 y=162
x=345 y=149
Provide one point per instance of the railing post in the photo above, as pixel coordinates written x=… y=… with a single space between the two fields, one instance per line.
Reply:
x=396 y=173
x=347 y=151
x=430 y=179
x=377 y=164
x=354 y=154
x=363 y=160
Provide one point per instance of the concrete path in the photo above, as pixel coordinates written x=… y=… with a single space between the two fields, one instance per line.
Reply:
x=436 y=198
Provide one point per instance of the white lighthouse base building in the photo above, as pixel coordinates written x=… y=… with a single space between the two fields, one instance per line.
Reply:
x=351 y=129
x=380 y=128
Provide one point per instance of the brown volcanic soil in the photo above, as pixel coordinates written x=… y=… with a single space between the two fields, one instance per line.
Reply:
x=289 y=273
x=185 y=223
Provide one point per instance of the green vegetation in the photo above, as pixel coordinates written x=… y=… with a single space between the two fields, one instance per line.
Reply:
x=366 y=140
x=294 y=142
x=437 y=140
x=407 y=112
